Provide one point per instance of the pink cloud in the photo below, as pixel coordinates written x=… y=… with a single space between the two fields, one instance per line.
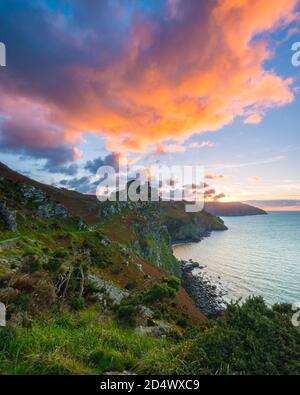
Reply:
x=194 y=72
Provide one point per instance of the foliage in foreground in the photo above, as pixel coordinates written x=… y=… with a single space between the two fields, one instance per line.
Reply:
x=78 y=343
x=249 y=339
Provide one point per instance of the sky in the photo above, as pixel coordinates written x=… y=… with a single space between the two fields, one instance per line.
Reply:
x=187 y=82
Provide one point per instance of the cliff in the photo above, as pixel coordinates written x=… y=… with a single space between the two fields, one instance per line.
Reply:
x=71 y=253
x=188 y=227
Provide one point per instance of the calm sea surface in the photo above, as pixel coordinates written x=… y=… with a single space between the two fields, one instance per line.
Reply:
x=258 y=255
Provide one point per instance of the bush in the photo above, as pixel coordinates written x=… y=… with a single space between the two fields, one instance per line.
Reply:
x=61 y=253
x=128 y=311
x=166 y=288
x=31 y=263
x=172 y=282
x=77 y=302
x=249 y=339
x=53 y=265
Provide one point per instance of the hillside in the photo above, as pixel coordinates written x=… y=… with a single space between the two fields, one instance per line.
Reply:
x=102 y=295
x=188 y=227
x=125 y=249
x=85 y=207
x=232 y=209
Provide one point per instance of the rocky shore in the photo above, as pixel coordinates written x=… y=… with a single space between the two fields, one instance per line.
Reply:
x=207 y=292
x=188 y=240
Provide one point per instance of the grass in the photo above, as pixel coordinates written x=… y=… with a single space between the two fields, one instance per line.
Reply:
x=82 y=343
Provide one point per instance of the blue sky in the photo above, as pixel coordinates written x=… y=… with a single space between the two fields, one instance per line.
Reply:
x=84 y=81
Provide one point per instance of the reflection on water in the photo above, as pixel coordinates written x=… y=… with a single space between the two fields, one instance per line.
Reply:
x=258 y=255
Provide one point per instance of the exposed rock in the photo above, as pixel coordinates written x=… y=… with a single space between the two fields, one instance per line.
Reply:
x=159 y=330
x=46 y=208
x=30 y=193
x=206 y=293
x=81 y=225
x=115 y=293
x=52 y=209
x=187 y=227
x=105 y=242
x=8 y=217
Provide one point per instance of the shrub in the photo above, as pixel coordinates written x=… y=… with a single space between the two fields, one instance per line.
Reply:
x=33 y=291
x=172 y=282
x=249 y=339
x=128 y=311
x=166 y=288
x=61 y=253
x=31 y=263
x=77 y=302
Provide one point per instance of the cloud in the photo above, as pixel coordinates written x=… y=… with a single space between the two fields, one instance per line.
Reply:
x=70 y=170
x=138 y=75
x=255 y=178
x=169 y=148
x=30 y=131
x=110 y=160
x=161 y=149
x=273 y=205
x=202 y=144
x=211 y=176
x=210 y=194
x=247 y=164
x=83 y=184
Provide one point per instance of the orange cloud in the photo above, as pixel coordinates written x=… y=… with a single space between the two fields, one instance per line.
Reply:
x=255 y=178
x=197 y=86
x=195 y=72
x=211 y=176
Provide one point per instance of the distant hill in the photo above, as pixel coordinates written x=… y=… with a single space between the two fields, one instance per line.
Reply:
x=87 y=207
x=232 y=209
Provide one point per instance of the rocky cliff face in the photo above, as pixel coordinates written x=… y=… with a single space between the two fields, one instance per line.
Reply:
x=152 y=227
x=22 y=206
x=188 y=227
x=159 y=225
x=147 y=233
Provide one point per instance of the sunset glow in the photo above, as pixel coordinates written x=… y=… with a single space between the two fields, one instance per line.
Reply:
x=152 y=85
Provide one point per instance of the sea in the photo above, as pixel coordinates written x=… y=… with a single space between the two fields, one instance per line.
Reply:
x=257 y=255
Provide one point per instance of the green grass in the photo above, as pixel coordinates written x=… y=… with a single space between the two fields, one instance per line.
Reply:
x=250 y=339
x=86 y=343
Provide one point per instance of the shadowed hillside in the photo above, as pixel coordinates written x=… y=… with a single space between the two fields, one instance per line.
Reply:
x=85 y=207
x=232 y=209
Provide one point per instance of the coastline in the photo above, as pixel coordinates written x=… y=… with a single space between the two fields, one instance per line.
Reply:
x=190 y=240
x=206 y=292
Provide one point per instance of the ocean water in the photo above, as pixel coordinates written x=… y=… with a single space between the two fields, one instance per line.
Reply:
x=258 y=255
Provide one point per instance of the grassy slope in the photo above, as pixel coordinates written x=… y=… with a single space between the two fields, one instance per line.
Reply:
x=44 y=338
x=54 y=337
x=88 y=342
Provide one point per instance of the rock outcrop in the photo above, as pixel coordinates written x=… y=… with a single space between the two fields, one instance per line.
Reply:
x=206 y=293
x=8 y=217
x=186 y=227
